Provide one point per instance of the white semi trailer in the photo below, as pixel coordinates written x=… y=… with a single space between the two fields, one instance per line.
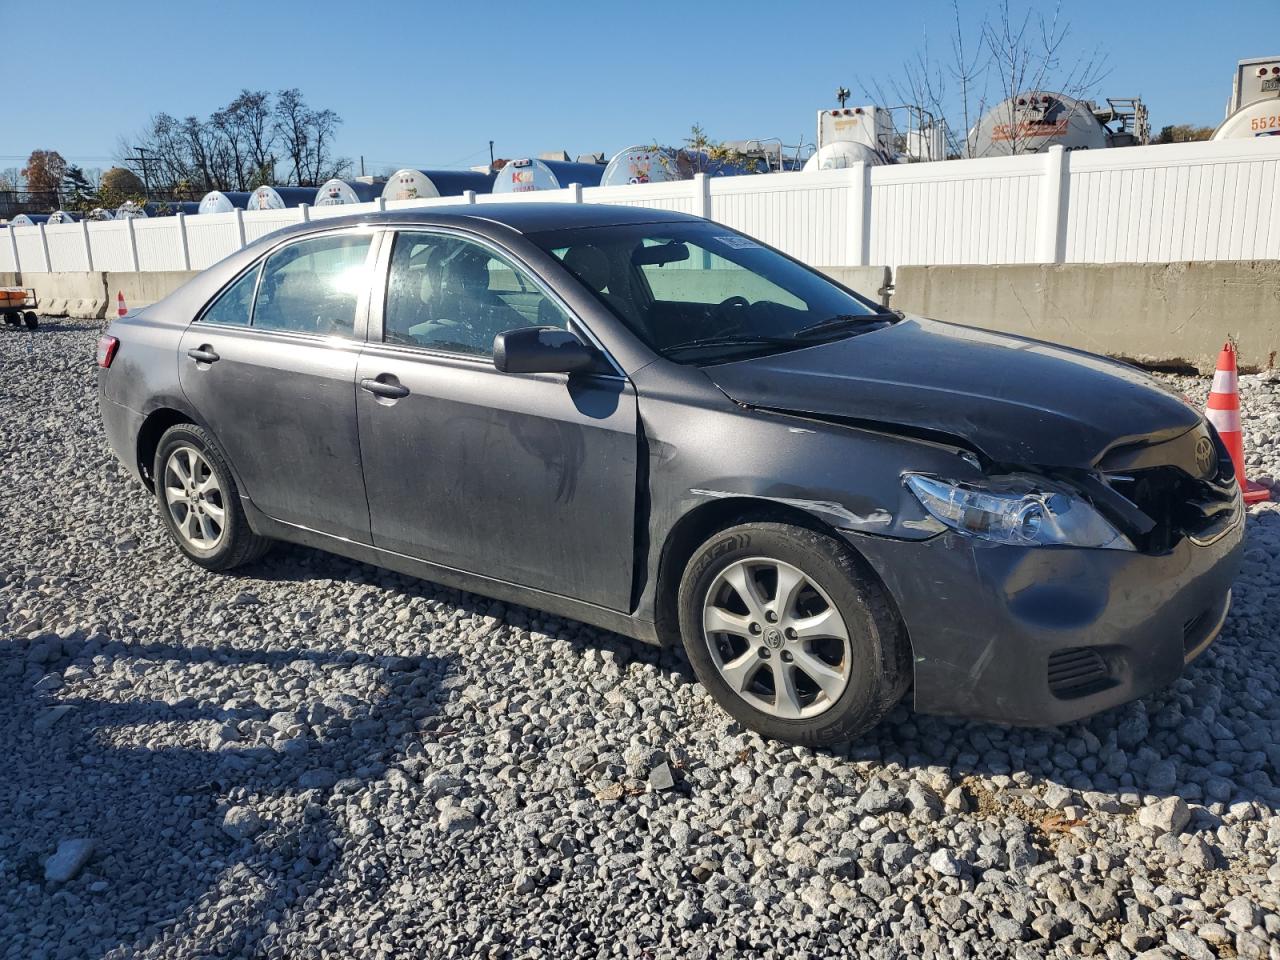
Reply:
x=1254 y=107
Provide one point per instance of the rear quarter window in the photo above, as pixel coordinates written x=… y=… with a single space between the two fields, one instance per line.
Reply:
x=234 y=306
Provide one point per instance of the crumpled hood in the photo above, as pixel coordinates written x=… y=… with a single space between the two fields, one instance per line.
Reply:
x=1016 y=400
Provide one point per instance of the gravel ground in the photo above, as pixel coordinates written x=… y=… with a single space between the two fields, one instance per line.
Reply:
x=316 y=758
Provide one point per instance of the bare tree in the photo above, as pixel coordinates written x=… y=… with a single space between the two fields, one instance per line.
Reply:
x=293 y=127
x=306 y=136
x=323 y=166
x=990 y=61
x=969 y=68
x=159 y=154
x=946 y=91
x=237 y=146
x=206 y=166
x=1027 y=54
x=226 y=123
x=253 y=113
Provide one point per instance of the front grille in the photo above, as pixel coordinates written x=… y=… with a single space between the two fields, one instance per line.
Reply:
x=1176 y=504
x=1173 y=498
x=1077 y=671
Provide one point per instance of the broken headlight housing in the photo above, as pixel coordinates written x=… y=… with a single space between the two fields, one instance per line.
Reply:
x=1022 y=510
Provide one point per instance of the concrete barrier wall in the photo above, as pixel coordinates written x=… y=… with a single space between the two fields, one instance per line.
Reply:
x=143 y=289
x=139 y=289
x=872 y=282
x=66 y=286
x=1157 y=313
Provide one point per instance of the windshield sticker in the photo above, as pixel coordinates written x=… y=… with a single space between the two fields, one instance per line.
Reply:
x=739 y=243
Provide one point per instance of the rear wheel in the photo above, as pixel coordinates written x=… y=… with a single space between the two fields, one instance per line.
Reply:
x=31 y=320
x=790 y=635
x=199 y=502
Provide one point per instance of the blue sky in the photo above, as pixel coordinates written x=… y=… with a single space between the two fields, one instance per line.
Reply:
x=429 y=84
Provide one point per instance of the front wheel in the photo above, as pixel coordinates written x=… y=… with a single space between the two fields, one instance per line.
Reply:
x=199 y=502
x=790 y=635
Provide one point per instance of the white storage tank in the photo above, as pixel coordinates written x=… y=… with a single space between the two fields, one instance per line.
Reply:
x=220 y=201
x=29 y=219
x=1035 y=121
x=340 y=192
x=1259 y=119
x=62 y=216
x=528 y=173
x=100 y=213
x=640 y=164
x=842 y=154
x=279 y=198
x=411 y=184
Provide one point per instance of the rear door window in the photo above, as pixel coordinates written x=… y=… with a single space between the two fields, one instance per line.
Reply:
x=314 y=286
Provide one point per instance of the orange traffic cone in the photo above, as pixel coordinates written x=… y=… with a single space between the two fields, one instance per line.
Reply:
x=120 y=309
x=1223 y=411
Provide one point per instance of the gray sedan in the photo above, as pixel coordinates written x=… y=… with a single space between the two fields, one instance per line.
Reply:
x=660 y=426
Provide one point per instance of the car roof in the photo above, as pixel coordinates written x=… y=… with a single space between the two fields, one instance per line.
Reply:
x=526 y=217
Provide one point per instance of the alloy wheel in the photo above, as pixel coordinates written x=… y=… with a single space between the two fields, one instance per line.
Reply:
x=776 y=638
x=195 y=498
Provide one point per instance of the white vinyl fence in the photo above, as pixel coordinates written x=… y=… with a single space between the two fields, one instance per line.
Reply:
x=1193 y=201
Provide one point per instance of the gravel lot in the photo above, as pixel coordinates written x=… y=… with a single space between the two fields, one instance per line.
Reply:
x=319 y=759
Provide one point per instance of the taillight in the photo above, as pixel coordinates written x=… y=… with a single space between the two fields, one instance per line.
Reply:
x=107 y=347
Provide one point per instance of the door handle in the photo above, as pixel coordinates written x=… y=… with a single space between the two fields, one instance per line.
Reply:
x=392 y=391
x=203 y=355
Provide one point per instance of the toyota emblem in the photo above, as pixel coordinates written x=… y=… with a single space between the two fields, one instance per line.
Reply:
x=1206 y=457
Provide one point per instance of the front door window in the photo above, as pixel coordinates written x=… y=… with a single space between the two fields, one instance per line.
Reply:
x=446 y=293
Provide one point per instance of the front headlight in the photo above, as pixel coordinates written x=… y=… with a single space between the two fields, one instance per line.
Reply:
x=1022 y=510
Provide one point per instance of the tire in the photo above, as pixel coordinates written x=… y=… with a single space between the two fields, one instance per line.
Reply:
x=217 y=511
x=10 y=318
x=31 y=320
x=863 y=659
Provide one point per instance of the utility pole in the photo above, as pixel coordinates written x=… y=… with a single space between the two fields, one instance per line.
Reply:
x=491 y=156
x=143 y=160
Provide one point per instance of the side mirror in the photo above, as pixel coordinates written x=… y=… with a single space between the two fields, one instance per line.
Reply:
x=542 y=350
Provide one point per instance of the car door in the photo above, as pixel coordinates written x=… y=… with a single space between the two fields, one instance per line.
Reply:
x=525 y=478
x=271 y=366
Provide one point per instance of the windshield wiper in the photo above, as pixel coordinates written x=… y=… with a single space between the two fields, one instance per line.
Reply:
x=731 y=340
x=842 y=322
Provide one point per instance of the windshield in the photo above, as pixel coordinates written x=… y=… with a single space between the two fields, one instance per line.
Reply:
x=700 y=292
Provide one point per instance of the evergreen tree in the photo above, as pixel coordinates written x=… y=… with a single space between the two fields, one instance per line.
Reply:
x=77 y=192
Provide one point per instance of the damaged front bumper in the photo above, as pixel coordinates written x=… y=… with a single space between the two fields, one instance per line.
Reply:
x=1048 y=635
